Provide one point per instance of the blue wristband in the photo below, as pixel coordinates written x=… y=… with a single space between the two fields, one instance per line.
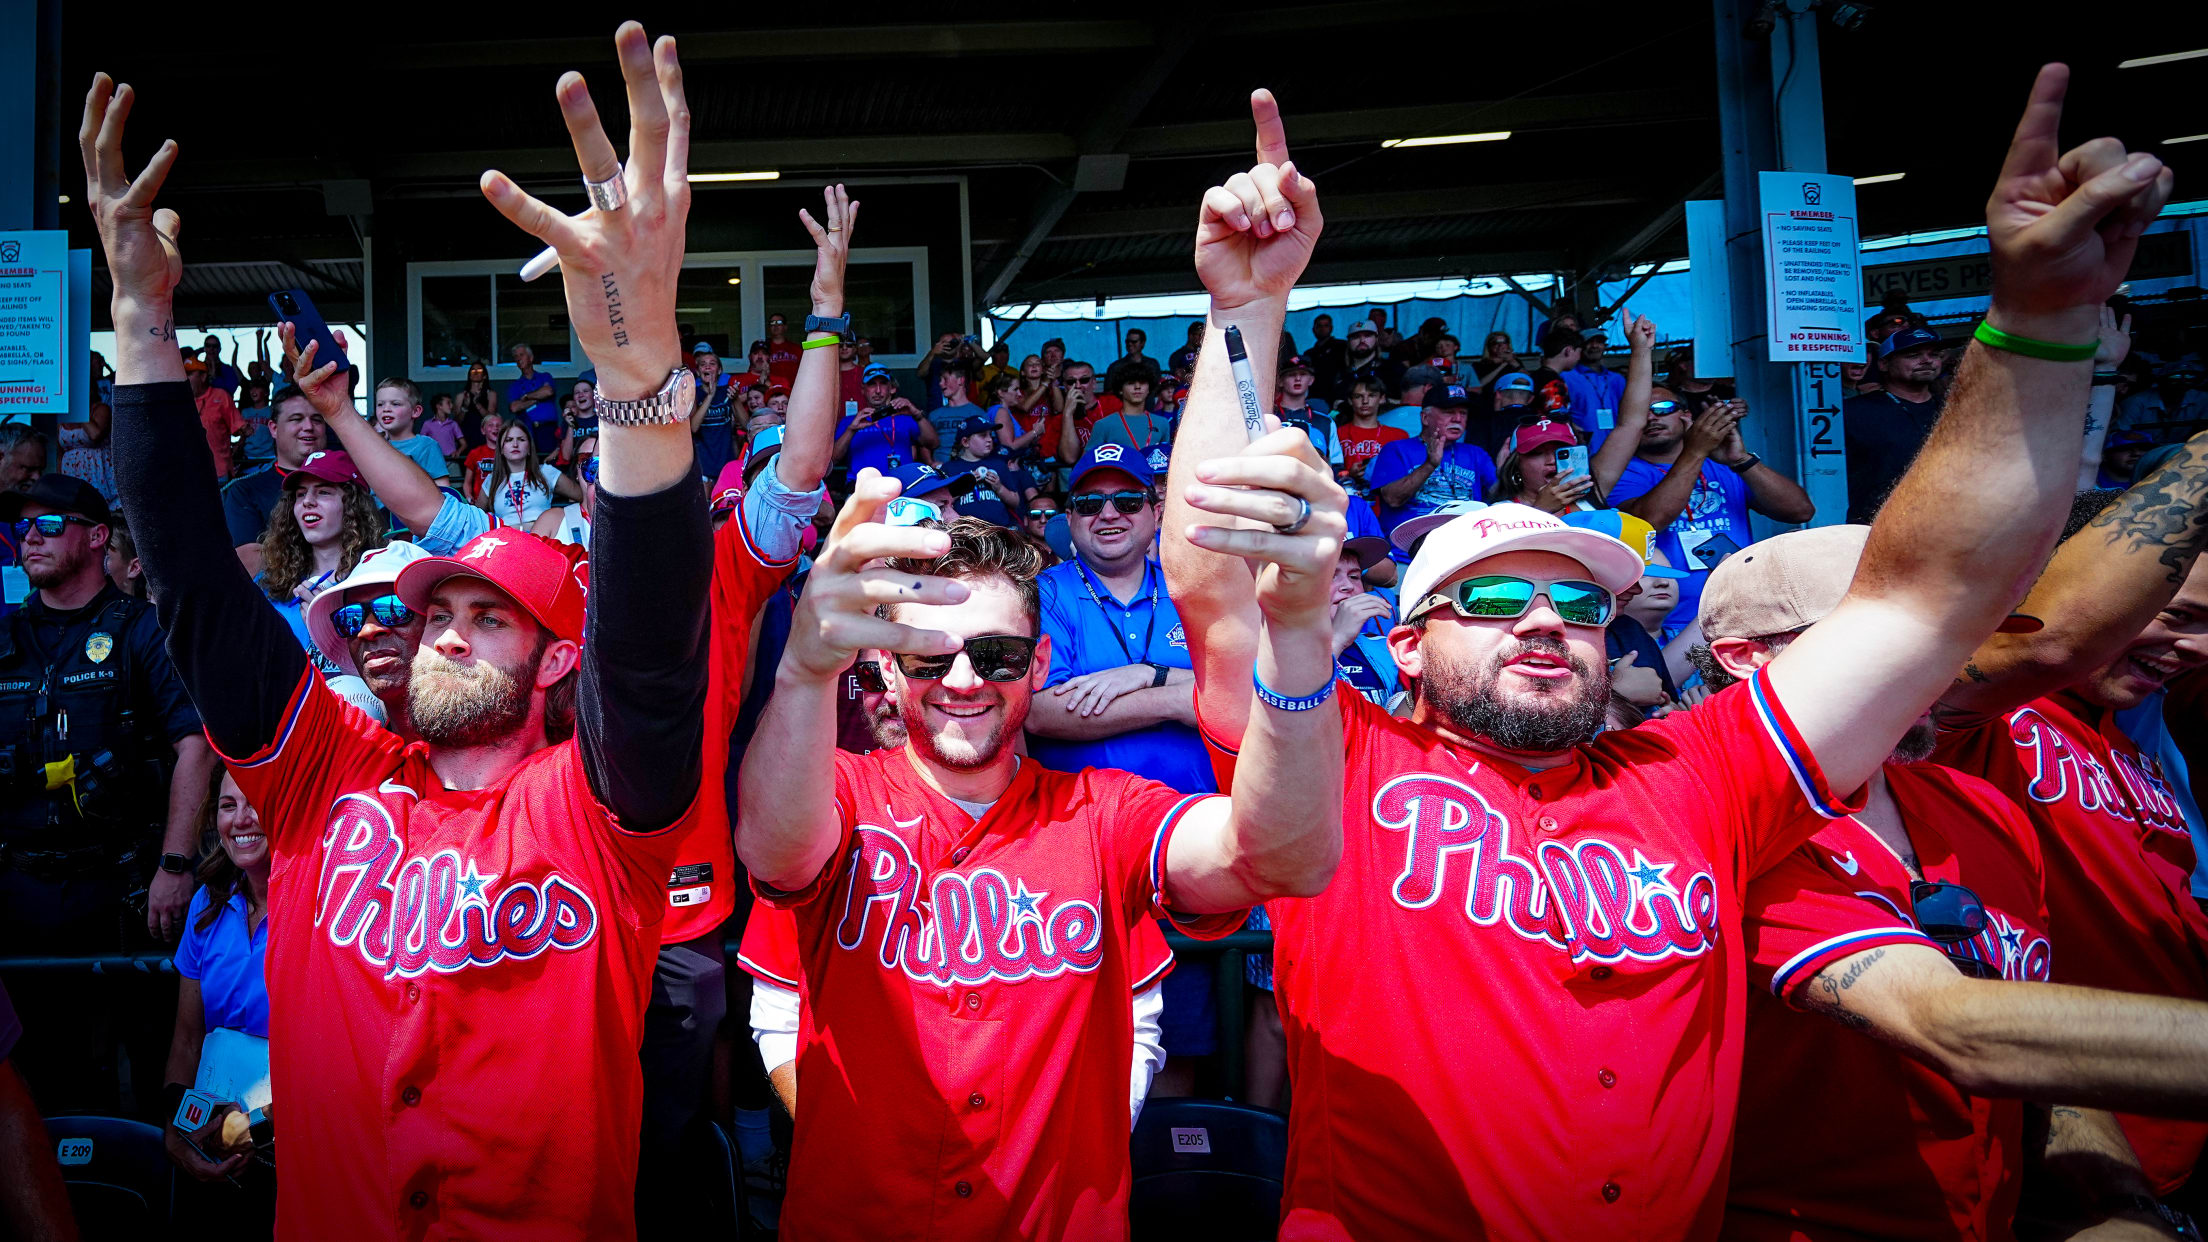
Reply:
x=1276 y=699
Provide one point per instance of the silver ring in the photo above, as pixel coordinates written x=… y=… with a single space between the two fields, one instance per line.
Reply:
x=611 y=194
x=1302 y=515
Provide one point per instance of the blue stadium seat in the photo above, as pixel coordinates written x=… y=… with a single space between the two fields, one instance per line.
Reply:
x=1207 y=1169
x=120 y=1180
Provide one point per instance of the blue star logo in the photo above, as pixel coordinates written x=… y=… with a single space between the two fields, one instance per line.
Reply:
x=1651 y=877
x=1025 y=903
x=472 y=884
x=2012 y=938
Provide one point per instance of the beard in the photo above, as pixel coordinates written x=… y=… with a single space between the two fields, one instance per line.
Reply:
x=887 y=722
x=59 y=569
x=1917 y=744
x=1539 y=721
x=959 y=753
x=467 y=705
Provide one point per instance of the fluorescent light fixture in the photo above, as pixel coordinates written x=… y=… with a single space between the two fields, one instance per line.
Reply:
x=2167 y=142
x=65 y=198
x=1880 y=179
x=698 y=178
x=2143 y=61
x=735 y=280
x=1444 y=140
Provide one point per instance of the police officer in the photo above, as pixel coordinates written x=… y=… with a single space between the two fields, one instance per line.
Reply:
x=93 y=723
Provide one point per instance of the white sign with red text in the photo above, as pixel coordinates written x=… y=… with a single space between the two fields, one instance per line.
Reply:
x=34 y=322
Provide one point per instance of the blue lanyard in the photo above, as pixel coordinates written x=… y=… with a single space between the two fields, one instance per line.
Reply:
x=1150 y=628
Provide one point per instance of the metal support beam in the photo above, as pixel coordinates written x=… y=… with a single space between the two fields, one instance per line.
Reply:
x=1384 y=205
x=1627 y=247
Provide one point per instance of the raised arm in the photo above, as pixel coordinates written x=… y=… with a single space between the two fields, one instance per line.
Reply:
x=235 y=655
x=809 y=440
x=2100 y=415
x=403 y=487
x=1609 y=462
x=1254 y=236
x=2102 y=587
x=1970 y=525
x=640 y=705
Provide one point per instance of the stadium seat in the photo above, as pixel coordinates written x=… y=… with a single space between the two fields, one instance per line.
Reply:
x=121 y=1183
x=1206 y=1169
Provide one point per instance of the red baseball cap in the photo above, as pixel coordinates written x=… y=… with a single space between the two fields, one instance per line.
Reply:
x=533 y=570
x=328 y=466
x=1546 y=431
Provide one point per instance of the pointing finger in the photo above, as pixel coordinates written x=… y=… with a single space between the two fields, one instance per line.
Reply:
x=2033 y=148
x=1272 y=136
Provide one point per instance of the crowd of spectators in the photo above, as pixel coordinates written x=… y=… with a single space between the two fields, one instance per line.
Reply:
x=1070 y=458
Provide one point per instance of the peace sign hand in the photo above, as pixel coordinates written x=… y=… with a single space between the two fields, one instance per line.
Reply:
x=142 y=256
x=1255 y=233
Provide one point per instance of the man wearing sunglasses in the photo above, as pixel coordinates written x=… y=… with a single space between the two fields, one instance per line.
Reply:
x=968 y=918
x=1516 y=1011
x=1887 y=922
x=492 y=1015
x=362 y=626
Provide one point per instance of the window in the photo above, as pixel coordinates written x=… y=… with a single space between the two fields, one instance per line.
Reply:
x=709 y=307
x=456 y=321
x=535 y=315
x=880 y=296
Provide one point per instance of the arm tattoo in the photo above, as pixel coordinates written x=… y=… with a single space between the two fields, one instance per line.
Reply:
x=2164 y=511
x=1824 y=995
x=163 y=331
x=613 y=312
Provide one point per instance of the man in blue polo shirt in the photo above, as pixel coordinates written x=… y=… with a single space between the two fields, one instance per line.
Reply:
x=531 y=397
x=1410 y=477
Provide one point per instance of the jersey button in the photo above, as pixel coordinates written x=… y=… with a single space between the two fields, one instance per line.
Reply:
x=1607 y=1078
x=977 y=1100
x=973 y=1000
x=412 y=1096
x=418 y=1200
x=959 y=855
x=1533 y=792
x=1599 y=973
x=1610 y=1192
x=413 y=992
x=965 y=1190
x=1548 y=824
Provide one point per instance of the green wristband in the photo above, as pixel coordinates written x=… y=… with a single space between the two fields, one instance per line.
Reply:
x=2050 y=351
x=822 y=343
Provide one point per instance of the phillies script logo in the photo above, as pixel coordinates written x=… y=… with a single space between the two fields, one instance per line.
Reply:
x=969 y=929
x=410 y=915
x=2062 y=770
x=1587 y=897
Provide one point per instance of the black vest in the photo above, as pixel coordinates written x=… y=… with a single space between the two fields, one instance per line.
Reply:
x=74 y=695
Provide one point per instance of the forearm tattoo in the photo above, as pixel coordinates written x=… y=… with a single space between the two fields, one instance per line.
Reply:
x=2164 y=511
x=1824 y=995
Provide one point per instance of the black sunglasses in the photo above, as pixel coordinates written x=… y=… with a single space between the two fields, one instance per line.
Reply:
x=995 y=657
x=389 y=611
x=1953 y=916
x=49 y=525
x=1089 y=504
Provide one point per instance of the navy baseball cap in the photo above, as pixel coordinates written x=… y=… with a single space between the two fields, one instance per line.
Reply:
x=1907 y=338
x=1515 y=381
x=975 y=426
x=1448 y=397
x=875 y=372
x=1111 y=457
x=919 y=479
x=1295 y=362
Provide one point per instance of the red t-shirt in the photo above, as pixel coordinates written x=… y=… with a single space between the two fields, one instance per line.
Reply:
x=459 y=981
x=1897 y=1151
x=475 y=470
x=994 y=1104
x=782 y=359
x=1361 y=444
x=2119 y=870
x=219 y=418
x=1517 y=1011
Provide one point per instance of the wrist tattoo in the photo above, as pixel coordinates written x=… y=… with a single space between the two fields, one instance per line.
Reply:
x=163 y=331
x=613 y=312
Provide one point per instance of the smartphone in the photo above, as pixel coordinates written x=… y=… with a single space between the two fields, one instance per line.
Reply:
x=1571 y=460
x=307 y=325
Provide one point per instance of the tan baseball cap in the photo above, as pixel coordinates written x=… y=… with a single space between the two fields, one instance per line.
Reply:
x=1790 y=582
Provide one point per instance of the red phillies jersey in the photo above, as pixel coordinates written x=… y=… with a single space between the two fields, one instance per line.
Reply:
x=701 y=888
x=459 y=979
x=782 y=360
x=1516 y=1013
x=1897 y=1151
x=2119 y=867
x=966 y=1033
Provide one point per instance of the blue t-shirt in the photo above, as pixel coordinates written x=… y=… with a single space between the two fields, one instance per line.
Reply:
x=1091 y=631
x=544 y=416
x=1595 y=395
x=294 y=614
x=979 y=499
x=885 y=445
x=1465 y=473
x=227 y=961
x=1713 y=526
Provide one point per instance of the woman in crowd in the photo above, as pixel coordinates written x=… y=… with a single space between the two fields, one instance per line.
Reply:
x=323 y=522
x=1496 y=358
x=522 y=486
x=473 y=402
x=219 y=968
x=713 y=418
x=1526 y=472
x=1021 y=425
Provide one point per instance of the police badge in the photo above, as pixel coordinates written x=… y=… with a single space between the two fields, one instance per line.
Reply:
x=97 y=647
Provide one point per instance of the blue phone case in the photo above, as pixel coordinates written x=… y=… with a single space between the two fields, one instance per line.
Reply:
x=307 y=325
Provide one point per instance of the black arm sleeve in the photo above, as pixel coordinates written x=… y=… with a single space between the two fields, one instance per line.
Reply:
x=239 y=661
x=640 y=705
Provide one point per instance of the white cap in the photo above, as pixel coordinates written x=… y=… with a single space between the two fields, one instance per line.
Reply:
x=356 y=692
x=1514 y=528
x=1406 y=532
x=377 y=567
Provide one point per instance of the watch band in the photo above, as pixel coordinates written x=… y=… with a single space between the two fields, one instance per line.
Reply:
x=1158 y=680
x=838 y=324
x=176 y=864
x=671 y=404
x=1754 y=460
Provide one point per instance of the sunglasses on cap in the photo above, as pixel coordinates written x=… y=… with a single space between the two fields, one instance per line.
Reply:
x=1952 y=915
x=905 y=511
x=1089 y=504
x=389 y=611
x=995 y=657
x=1503 y=597
x=49 y=525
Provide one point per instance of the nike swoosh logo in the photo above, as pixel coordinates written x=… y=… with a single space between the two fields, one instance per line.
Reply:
x=1847 y=864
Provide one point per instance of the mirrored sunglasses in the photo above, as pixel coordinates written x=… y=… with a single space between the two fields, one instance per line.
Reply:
x=49 y=525
x=389 y=611
x=1503 y=597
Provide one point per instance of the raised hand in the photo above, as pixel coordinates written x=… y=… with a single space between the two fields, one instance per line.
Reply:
x=2115 y=341
x=831 y=246
x=2063 y=227
x=835 y=618
x=620 y=267
x=1255 y=233
x=1640 y=330
x=1265 y=483
x=1713 y=429
x=327 y=387
x=143 y=261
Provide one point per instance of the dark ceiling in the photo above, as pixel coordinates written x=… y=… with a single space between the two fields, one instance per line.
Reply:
x=1612 y=107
